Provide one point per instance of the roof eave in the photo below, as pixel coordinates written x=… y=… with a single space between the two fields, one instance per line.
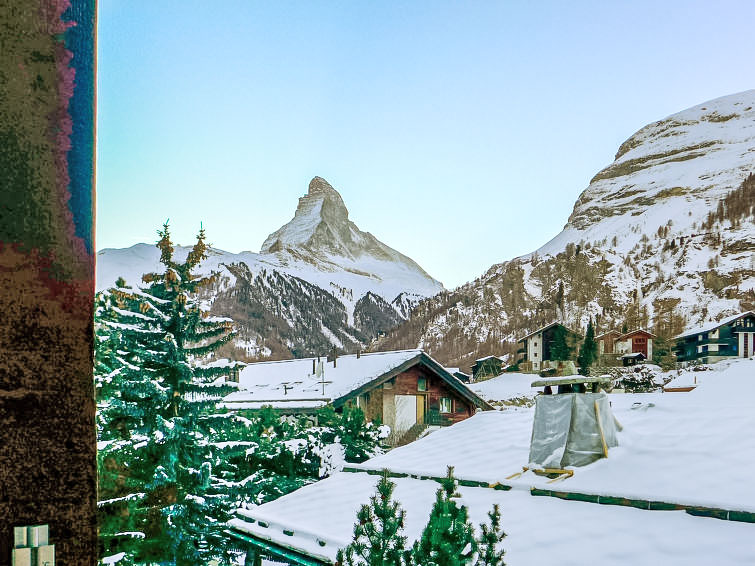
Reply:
x=424 y=359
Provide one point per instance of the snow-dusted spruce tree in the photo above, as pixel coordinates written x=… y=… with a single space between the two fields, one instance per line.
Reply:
x=588 y=351
x=358 y=438
x=448 y=539
x=159 y=499
x=491 y=535
x=377 y=533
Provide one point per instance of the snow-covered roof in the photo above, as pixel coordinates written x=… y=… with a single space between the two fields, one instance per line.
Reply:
x=295 y=383
x=634 y=355
x=685 y=449
x=544 y=328
x=636 y=331
x=712 y=325
x=607 y=333
x=488 y=358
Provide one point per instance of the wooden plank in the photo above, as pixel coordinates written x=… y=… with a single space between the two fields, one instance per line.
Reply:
x=570 y=380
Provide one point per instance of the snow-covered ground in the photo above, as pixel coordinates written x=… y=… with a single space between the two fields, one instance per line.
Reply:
x=687 y=448
x=505 y=387
x=541 y=530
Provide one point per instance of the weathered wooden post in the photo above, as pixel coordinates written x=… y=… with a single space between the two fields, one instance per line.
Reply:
x=48 y=473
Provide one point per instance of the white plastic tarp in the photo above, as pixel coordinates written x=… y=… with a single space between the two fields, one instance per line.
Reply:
x=566 y=432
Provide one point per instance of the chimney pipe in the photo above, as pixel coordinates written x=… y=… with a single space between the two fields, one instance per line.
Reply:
x=335 y=355
x=359 y=353
x=314 y=367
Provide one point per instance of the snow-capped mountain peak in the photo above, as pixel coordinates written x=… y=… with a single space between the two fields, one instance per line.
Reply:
x=321 y=223
x=318 y=281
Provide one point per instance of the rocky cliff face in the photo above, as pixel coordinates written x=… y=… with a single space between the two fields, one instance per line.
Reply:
x=655 y=240
x=318 y=282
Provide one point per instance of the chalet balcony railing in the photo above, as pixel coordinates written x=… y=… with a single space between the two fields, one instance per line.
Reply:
x=742 y=328
x=436 y=418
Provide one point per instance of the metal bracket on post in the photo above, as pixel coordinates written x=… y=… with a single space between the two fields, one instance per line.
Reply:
x=31 y=546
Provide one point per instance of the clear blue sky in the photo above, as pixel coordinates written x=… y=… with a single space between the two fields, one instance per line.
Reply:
x=459 y=133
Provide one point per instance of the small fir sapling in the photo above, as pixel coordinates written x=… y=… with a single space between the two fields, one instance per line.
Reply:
x=448 y=539
x=377 y=533
x=491 y=535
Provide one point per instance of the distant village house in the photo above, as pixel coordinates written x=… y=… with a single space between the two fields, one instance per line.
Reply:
x=407 y=390
x=630 y=348
x=732 y=337
x=539 y=349
x=487 y=367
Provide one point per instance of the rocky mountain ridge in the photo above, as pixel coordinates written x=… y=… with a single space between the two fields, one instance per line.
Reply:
x=651 y=242
x=318 y=282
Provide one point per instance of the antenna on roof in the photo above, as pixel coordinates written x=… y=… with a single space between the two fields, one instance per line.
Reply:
x=320 y=372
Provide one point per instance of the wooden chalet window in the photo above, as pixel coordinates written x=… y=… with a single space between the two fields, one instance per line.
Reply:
x=445 y=405
x=422 y=384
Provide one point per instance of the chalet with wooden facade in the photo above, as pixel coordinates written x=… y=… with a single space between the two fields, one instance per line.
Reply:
x=732 y=337
x=636 y=342
x=535 y=350
x=460 y=375
x=607 y=342
x=615 y=348
x=406 y=390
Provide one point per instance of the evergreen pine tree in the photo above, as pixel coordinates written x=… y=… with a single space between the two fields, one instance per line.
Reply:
x=490 y=553
x=588 y=351
x=448 y=539
x=560 y=349
x=377 y=533
x=159 y=497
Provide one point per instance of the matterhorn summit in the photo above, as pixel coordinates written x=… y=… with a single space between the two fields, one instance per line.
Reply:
x=321 y=229
x=321 y=222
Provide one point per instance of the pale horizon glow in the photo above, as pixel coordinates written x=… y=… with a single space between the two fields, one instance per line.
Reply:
x=459 y=134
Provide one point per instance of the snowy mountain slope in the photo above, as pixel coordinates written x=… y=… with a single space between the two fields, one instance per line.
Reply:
x=318 y=281
x=640 y=247
x=674 y=169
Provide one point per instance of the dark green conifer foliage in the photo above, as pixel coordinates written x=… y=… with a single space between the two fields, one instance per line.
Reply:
x=560 y=349
x=359 y=438
x=448 y=539
x=156 y=415
x=377 y=533
x=588 y=352
x=491 y=535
